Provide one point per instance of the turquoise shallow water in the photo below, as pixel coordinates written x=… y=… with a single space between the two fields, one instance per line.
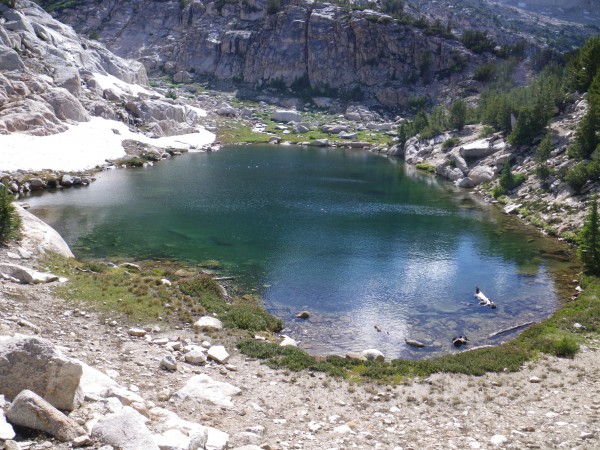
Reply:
x=356 y=239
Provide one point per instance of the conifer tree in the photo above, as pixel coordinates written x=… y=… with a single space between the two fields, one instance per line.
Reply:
x=458 y=114
x=10 y=222
x=542 y=154
x=589 y=239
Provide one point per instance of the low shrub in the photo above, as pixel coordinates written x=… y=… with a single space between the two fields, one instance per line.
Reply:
x=426 y=167
x=450 y=143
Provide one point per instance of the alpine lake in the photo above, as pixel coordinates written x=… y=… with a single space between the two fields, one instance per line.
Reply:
x=373 y=249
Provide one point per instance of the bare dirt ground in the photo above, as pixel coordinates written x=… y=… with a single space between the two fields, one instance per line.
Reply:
x=550 y=403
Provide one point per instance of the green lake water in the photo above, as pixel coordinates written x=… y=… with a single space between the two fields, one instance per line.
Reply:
x=356 y=239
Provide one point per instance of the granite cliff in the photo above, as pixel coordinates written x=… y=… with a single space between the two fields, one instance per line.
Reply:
x=51 y=78
x=322 y=47
x=315 y=48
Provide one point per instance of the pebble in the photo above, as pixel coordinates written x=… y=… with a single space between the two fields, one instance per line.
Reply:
x=498 y=439
x=136 y=332
x=535 y=380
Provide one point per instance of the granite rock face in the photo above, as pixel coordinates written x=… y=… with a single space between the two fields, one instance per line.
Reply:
x=52 y=78
x=316 y=45
x=43 y=65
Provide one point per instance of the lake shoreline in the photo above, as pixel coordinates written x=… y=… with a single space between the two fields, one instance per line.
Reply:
x=298 y=327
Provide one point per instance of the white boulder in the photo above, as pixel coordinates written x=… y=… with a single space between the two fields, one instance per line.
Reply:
x=33 y=363
x=286 y=116
x=208 y=323
x=125 y=430
x=202 y=388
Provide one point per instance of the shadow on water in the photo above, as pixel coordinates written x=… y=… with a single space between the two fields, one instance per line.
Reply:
x=357 y=239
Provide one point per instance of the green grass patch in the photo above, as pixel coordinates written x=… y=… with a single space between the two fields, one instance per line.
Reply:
x=142 y=296
x=509 y=356
x=426 y=167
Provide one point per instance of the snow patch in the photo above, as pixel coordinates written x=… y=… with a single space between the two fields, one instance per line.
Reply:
x=119 y=86
x=84 y=146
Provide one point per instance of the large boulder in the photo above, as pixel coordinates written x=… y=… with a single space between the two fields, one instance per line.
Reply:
x=481 y=148
x=286 y=116
x=31 y=411
x=396 y=150
x=65 y=105
x=481 y=174
x=373 y=355
x=449 y=172
x=125 y=430
x=33 y=363
x=38 y=237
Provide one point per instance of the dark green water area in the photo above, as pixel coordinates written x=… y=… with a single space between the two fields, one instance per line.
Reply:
x=358 y=240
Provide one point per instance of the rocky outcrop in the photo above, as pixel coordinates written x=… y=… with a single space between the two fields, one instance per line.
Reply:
x=43 y=66
x=307 y=45
x=51 y=79
x=38 y=237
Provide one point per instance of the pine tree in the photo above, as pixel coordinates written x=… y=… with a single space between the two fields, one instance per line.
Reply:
x=542 y=154
x=10 y=222
x=587 y=136
x=458 y=114
x=589 y=240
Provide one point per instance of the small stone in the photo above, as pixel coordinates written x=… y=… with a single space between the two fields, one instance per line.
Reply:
x=498 y=439
x=314 y=426
x=218 y=353
x=136 y=332
x=196 y=357
x=303 y=315
x=81 y=441
x=288 y=341
x=164 y=395
x=586 y=435
x=11 y=445
x=343 y=429
x=535 y=380
x=169 y=363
